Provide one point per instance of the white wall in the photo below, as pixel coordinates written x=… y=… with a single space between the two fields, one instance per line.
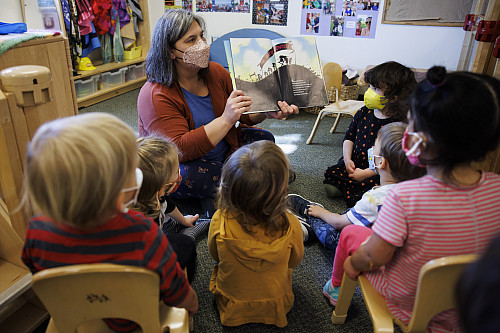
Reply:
x=11 y=11
x=414 y=46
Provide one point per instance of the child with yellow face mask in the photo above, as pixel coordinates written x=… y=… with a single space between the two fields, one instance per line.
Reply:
x=386 y=101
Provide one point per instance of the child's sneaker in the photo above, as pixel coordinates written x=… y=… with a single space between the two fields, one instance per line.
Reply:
x=331 y=292
x=299 y=205
x=307 y=231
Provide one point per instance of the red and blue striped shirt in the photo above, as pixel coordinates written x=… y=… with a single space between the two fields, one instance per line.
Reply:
x=127 y=239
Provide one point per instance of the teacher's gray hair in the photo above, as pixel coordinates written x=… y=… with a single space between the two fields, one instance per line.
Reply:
x=174 y=24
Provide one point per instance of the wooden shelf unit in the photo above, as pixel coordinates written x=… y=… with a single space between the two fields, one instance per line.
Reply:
x=143 y=39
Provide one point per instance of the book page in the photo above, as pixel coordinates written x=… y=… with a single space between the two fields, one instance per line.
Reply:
x=227 y=48
x=299 y=71
x=254 y=72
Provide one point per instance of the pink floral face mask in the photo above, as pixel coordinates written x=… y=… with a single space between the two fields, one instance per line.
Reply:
x=197 y=56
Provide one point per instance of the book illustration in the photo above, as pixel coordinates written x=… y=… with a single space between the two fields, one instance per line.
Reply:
x=284 y=69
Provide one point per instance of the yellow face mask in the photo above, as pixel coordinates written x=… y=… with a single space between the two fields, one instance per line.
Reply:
x=373 y=100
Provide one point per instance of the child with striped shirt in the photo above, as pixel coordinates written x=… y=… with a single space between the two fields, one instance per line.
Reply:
x=81 y=174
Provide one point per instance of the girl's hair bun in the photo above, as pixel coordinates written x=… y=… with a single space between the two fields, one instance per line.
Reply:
x=436 y=75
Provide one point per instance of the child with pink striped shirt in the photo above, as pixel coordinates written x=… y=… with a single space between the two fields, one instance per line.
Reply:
x=454 y=119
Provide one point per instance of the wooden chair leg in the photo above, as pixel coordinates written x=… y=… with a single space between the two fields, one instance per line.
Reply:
x=321 y=115
x=334 y=127
x=346 y=293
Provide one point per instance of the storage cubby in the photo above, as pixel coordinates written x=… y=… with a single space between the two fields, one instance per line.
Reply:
x=111 y=90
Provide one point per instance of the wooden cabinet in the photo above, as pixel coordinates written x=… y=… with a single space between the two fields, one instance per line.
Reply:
x=20 y=310
x=19 y=124
x=143 y=39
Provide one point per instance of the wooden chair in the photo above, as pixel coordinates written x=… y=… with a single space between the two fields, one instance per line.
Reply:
x=332 y=74
x=83 y=294
x=435 y=293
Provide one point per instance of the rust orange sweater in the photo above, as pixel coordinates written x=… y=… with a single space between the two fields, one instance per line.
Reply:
x=163 y=110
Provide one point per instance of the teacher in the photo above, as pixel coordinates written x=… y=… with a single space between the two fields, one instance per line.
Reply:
x=191 y=100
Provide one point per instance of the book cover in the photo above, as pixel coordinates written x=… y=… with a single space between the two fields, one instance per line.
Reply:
x=284 y=69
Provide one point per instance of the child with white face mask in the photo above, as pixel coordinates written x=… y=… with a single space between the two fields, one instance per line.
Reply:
x=388 y=160
x=386 y=101
x=80 y=173
x=454 y=119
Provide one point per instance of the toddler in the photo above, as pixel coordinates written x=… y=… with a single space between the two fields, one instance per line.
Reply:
x=254 y=239
x=80 y=176
x=388 y=160
x=386 y=101
x=159 y=162
x=454 y=119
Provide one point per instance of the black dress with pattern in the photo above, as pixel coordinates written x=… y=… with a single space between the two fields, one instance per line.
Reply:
x=363 y=132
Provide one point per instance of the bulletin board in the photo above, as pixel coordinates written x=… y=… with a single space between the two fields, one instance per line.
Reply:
x=339 y=18
x=426 y=12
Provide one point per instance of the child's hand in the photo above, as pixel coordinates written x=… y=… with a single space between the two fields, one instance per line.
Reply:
x=349 y=270
x=350 y=166
x=319 y=212
x=189 y=220
x=361 y=174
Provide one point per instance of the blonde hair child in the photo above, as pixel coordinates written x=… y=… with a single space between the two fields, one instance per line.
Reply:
x=159 y=162
x=254 y=239
x=80 y=174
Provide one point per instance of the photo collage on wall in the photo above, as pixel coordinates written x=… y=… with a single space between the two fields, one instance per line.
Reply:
x=179 y=4
x=340 y=18
x=270 y=12
x=233 y=6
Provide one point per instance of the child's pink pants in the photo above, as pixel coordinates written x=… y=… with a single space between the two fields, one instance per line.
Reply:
x=351 y=238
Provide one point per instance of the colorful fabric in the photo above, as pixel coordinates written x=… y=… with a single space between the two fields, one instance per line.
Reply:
x=252 y=281
x=126 y=239
x=363 y=132
x=366 y=210
x=102 y=14
x=427 y=219
x=165 y=111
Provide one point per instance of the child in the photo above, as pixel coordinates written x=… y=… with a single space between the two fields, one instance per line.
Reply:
x=388 y=160
x=80 y=176
x=159 y=162
x=255 y=241
x=454 y=119
x=386 y=101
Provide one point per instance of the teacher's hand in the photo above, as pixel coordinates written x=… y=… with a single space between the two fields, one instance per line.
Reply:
x=285 y=111
x=236 y=104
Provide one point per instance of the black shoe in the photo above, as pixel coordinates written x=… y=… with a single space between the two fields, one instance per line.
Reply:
x=307 y=231
x=299 y=205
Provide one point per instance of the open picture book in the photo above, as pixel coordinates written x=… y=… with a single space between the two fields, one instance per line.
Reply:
x=283 y=69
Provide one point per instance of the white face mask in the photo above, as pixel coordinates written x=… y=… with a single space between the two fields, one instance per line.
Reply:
x=197 y=56
x=138 y=181
x=371 y=160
